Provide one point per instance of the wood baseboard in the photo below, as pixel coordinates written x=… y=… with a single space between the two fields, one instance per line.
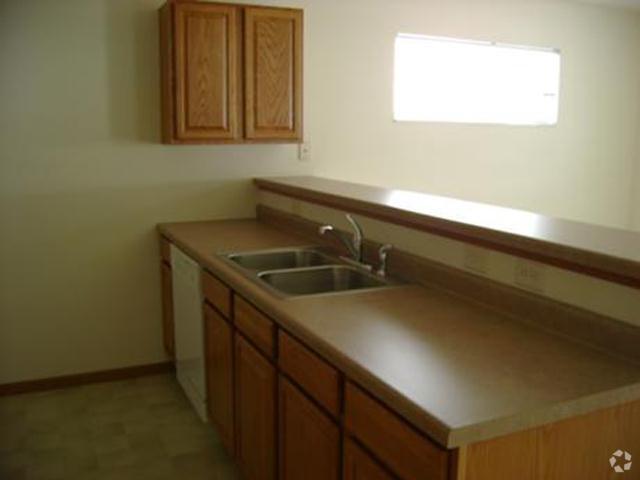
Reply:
x=85 y=378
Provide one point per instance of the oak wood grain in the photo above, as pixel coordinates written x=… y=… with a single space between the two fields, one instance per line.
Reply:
x=273 y=73
x=256 y=326
x=407 y=453
x=358 y=464
x=309 y=440
x=168 y=327
x=577 y=448
x=219 y=375
x=216 y=293
x=206 y=71
x=312 y=373
x=255 y=391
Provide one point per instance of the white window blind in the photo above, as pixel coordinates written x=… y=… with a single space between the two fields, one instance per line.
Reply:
x=450 y=80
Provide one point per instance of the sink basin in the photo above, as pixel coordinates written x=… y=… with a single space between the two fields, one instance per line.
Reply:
x=333 y=278
x=282 y=259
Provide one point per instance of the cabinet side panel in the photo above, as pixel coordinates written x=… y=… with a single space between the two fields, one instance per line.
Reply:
x=578 y=448
x=166 y=72
x=505 y=458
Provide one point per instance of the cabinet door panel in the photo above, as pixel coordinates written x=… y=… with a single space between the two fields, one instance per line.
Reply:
x=358 y=465
x=273 y=73
x=255 y=412
x=167 y=309
x=219 y=367
x=206 y=53
x=309 y=440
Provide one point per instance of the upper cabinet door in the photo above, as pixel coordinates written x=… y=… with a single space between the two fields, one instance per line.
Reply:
x=273 y=74
x=206 y=39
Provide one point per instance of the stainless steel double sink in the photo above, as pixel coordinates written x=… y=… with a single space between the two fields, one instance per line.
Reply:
x=304 y=271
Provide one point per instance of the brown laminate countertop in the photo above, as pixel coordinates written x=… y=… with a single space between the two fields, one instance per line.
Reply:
x=457 y=370
x=609 y=253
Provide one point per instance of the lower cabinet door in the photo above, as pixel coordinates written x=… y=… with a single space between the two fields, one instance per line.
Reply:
x=358 y=465
x=255 y=412
x=167 y=309
x=309 y=440
x=219 y=368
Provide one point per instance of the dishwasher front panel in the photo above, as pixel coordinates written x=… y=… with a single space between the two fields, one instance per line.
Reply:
x=189 y=336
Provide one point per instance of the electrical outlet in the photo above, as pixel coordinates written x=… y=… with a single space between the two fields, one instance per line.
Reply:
x=529 y=275
x=304 y=151
x=476 y=259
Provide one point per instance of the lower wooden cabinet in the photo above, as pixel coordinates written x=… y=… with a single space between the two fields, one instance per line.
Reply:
x=309 y=439
x=255 y=392
x=167 y=309
x=358 y=465
x=219 y=368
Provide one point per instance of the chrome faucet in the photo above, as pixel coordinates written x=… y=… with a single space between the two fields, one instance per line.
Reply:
x=354 y=243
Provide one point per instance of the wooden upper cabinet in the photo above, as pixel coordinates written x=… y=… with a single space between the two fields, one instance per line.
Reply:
x=273 y=73
x=204 y=78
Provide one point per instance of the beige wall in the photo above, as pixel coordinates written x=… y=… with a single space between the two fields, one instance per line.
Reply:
x=580 y=169
x=83 y=179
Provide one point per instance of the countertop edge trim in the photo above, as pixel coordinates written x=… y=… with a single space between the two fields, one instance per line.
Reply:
x=584 y=262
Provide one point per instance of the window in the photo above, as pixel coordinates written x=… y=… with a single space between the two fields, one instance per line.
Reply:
x=450 y=80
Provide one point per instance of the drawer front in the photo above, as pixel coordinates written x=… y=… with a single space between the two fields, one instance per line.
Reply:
x=165 y=250
x=255 y=325
x=217 y=293
x=410 y=455
x=314 y=375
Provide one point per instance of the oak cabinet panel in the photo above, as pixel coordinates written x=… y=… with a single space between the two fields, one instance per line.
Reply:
x=407 y=453
x=167 y=309
x=309 y=439
x=255 y=407
x=219 y=372
x=358 y=465
x=273 y=73
x=200 y=65
x=255 y=325
x=220 y=62
x=312 y=373
x=216 y=293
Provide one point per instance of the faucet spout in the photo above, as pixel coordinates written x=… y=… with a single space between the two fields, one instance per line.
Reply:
x=354 y=243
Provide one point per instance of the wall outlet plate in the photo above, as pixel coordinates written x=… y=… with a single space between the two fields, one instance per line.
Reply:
x=529 y=275
x=304 y=151
x=476 y=259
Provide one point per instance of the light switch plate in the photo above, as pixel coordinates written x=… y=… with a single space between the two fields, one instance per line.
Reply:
x=304 y=151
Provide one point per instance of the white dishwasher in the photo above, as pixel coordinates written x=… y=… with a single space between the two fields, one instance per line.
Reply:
x=188 y=321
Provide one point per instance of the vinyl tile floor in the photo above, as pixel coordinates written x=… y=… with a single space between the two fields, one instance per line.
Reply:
x=138 y=429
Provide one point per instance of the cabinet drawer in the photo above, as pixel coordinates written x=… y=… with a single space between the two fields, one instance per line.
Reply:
x=165 y=250
x=254 y=325
x=410 y=455
x=313 y=374
x=216 y=293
